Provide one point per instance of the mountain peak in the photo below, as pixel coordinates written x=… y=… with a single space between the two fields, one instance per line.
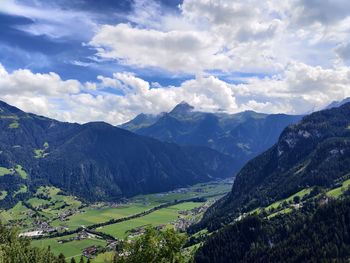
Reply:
x=9 y=109
x=336 y=104
x=181 y=108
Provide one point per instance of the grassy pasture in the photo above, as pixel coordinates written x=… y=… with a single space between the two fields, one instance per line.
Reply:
x=277 y=204
x=69 y=249
x=283 y=211
x=18 y=213
x=14 y=125
x=3 y=195
x=337 y=192
x=22 y=173
x=22 y=189
x=104 y=257
x=159 y=217
x=90 y=216
x=4 y=171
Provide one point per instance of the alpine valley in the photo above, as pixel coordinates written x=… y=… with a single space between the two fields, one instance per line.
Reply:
x=175 y=131
x=95 y=161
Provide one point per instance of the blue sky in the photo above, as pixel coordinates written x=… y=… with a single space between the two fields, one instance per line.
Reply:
x=111 y=60
x=40 y=52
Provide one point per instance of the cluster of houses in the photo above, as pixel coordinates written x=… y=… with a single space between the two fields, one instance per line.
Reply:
x=69 y=212
x=41 y=229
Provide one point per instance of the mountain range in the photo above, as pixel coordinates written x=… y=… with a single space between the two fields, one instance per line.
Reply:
x=242 y=136
x=95 y=161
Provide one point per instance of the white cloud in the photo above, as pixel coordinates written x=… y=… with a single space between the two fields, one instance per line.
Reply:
x=325 y=12
x=343 y=51
x=23 y=81
x=228 y=35
x=301 y=88
x=179 y=51
x=53 y=21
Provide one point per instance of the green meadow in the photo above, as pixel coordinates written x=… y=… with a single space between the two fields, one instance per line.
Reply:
x=3 y=195
x=160 y=217
x=90 y=216
x=337 y=192
x=300 y=194
x=69 y=249
x=22 y=173
x=50 y=202
x=4 y=171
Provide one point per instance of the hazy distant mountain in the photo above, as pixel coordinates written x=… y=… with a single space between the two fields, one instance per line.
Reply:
x=141 y=121
x=336 y=104
x=96 y=161
x=243 y=135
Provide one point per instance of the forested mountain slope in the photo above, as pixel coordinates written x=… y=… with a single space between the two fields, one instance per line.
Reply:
x=302 y=236
x=314 y=152
x=95 y=161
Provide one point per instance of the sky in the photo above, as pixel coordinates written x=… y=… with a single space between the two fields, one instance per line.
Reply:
x=103 y=60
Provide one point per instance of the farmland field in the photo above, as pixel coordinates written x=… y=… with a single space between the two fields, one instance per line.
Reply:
x=102 y=213
x=159 y=217
x=300 y=194
x=337 y=192
x=58 y=210
x=89 y=216
x=69 y=249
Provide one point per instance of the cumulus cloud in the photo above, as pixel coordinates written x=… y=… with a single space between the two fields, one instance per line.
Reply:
x=228 y=35
x=325 y=12
x=180 y=51
x=300 y=89
x=343 y=51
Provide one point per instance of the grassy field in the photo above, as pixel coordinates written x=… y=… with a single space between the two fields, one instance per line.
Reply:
x=104 y=257
x=90 y=215
x=50 y=202
x=14 y=125
x=4 y=171
x=283 y=211
x=74 y=248
x=3 y=195
x=23 y=189
x=48 y=208
x=19 y=215
x=22 y=173
x=199 y=190
x=56 y=204
x=69 y=249
x=159 y=217
x=301 y=194
x=337 y=192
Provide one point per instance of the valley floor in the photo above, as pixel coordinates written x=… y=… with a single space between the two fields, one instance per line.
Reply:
x=74 y=228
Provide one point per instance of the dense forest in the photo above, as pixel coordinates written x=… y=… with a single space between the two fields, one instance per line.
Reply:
x=313 y=234
x=314 y=152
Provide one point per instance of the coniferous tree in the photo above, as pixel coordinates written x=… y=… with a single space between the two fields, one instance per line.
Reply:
x=61 y=258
